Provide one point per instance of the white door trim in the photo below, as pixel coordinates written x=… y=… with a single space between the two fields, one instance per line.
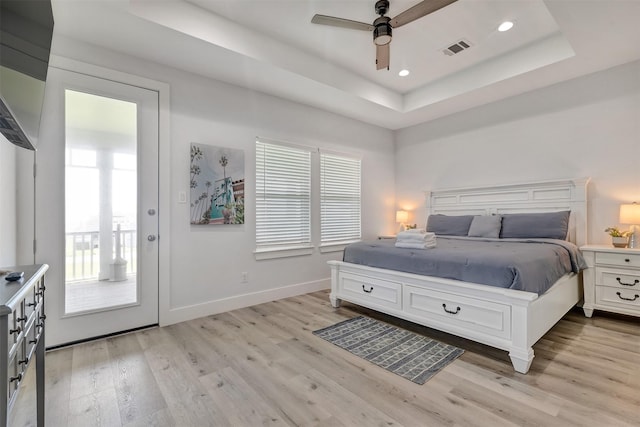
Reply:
x=164 y=165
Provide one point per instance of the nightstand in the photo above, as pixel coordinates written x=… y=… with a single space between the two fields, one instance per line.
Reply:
x=612 y=281
x=386 y=236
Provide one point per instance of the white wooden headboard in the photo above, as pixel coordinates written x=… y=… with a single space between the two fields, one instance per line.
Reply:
x=542 y=196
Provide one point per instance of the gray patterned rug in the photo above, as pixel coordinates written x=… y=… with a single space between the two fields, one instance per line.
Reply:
x=404 y=353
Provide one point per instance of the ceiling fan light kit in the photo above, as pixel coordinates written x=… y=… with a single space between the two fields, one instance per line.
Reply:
x=382 y=32
x=383 y=26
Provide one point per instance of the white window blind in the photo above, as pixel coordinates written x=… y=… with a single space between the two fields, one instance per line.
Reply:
x=283 y=196
x=339 y=199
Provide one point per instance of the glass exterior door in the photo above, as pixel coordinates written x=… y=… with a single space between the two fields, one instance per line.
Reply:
x=97 y=201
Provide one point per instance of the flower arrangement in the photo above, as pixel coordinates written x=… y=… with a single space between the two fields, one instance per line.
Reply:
x=614 y=232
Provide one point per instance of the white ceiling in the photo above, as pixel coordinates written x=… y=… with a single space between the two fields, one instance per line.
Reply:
x=271 y=46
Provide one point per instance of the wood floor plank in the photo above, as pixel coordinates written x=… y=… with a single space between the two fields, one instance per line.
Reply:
x=90 y=369
x=187 y=400
x=58 y=365
x=272 y=383
x=137 y=391
x=243 y=406
x=202 y=359
x=99 y=409
x=354 y=409
x=161 y=418
x=508 y=387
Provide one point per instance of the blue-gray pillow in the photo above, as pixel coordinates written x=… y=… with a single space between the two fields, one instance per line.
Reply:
x=449 y=225
x=485 y=226
x=547 y=225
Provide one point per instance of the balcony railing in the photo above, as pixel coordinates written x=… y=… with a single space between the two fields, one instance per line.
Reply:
x=82 y=253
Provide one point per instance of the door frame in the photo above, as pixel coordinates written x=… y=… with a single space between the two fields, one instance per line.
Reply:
x=164 y=165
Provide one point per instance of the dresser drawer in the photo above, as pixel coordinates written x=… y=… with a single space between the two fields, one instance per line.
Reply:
x=461 y=312
x=616 y=297
x=618 y=278
x=16 y=328
x=621 y=259
x=15 y=373
x=368 y=290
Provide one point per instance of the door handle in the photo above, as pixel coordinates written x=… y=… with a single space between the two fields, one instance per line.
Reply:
x=151 y=237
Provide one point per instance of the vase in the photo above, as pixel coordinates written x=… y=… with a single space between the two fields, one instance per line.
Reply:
x=620 y=242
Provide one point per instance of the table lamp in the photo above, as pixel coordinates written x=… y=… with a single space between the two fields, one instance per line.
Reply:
x=630 y=215
x=402 y=217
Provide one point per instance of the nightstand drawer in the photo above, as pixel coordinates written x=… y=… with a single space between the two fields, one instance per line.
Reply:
x=622 y=259
x=618 y=278
x=626 y=298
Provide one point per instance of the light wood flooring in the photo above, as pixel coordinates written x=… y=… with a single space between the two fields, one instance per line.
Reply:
x=262 y=366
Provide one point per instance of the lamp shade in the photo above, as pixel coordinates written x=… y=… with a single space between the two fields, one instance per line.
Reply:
x=630 y=214
x=402 y=216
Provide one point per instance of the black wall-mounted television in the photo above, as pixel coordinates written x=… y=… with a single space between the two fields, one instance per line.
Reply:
x=26 y=30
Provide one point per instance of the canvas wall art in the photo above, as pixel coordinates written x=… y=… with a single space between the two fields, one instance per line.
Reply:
x=217 y=185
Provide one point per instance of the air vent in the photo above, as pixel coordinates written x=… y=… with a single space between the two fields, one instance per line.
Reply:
x=457 y=47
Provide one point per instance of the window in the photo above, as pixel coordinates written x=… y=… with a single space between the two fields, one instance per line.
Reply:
x=339 y=199
x=283 y=197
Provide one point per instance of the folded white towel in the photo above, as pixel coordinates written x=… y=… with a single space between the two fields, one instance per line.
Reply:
x=415 y=245
x=415 y=233
x=410 y=236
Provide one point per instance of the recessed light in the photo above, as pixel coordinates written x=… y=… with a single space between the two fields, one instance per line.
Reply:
x=403 y=73
x=505 y=26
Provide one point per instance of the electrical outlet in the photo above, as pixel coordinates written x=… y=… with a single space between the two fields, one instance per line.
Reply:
x=245 y=277
x=182 y=197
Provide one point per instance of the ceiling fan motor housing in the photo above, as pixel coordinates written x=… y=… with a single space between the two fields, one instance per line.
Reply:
x=382 y=31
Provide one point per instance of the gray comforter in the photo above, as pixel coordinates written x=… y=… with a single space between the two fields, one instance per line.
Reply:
x=532 y=265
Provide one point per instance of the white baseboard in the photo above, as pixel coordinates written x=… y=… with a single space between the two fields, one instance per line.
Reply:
x=182 y=314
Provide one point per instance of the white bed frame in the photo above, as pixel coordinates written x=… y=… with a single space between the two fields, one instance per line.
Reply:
x=503 y=318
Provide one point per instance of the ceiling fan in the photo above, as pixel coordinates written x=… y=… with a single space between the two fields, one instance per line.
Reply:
x=382 y=26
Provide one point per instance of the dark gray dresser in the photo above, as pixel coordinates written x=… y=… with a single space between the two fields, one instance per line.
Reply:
x=22 y=328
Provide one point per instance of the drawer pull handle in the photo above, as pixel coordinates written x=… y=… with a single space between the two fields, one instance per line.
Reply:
x=33 y=341
x=16 y=330
x=31 y=304
x=444 y=306
x=21 y=319
x=627 y=260
x=635 y=282
x=635 y=297
x=23 y=361
x=16 y=378
x=365 y=289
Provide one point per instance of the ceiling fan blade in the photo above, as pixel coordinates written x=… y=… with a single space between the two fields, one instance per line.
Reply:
x=418 y=11
x=341 y=22
x=382 y=56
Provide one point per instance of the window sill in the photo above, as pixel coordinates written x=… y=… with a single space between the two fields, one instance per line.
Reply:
x=282 y=252
x=335 y=247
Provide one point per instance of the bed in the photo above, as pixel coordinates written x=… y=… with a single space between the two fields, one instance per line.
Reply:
x=510 y=319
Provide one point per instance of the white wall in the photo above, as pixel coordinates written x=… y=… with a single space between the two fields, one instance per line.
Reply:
x=586 y=127
x=207 y=261
x=8 y=188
